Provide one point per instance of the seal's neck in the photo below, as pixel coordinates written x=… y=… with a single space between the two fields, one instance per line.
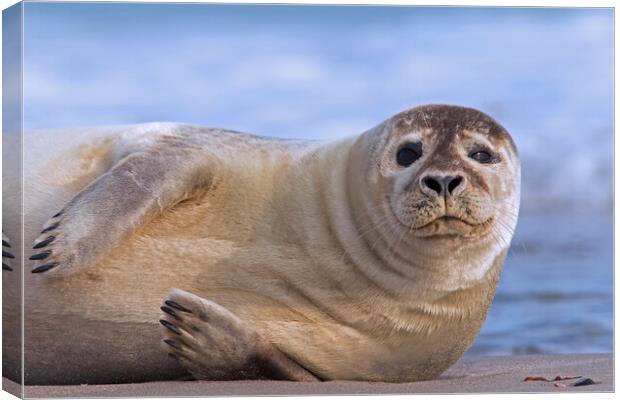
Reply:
x=362 y=270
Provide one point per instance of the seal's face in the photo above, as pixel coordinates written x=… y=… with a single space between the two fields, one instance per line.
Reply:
x=451 y=172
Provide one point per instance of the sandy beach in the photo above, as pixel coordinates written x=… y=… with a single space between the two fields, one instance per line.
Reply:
x=469 y=375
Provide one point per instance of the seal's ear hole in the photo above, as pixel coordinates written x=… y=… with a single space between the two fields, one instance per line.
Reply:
x=408 y=154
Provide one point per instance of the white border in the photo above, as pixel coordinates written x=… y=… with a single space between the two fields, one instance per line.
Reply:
x=507 y=3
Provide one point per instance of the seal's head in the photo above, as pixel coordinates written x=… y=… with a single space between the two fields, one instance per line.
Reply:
x=445 y=174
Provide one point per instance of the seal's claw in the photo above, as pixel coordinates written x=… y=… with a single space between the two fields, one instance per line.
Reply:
x=172 y=343
x=176 y=305
x=43 y=268
x=44 y=243
x=41 y=256
x=51 y=241
x=170 y=326
x=171 y=312
x=6 y=255
x=50 y=228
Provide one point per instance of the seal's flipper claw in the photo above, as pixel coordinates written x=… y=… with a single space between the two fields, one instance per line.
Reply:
x=170 y=312
x=43 y=268
x=6 y=254
x=50 y=228
x=177 y=306
x=41 y=256
x=50 y=245
x=170 y=326
x=45 y=242
x=173 y=344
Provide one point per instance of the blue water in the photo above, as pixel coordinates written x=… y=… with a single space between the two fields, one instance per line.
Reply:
x=328 y=72
x=556 y=290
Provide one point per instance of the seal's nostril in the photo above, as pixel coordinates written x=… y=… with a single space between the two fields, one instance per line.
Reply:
x=453 y=183
x=432 y=184
x=442 y=185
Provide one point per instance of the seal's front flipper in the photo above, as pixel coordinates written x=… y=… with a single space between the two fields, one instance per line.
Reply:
x=212 y=343
x=140 y=186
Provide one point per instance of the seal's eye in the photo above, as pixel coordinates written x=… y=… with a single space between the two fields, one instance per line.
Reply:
x=408 y=154
x=483 y=157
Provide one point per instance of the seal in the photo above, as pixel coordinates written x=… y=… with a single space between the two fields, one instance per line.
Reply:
x=372 y=258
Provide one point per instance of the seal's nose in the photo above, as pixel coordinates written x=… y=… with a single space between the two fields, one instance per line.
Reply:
x=447 y=185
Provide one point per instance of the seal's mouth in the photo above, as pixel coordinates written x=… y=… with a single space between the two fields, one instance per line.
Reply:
x=447 y=226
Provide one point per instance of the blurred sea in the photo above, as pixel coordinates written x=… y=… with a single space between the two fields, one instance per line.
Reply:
x=556 y=290
x=328 y=72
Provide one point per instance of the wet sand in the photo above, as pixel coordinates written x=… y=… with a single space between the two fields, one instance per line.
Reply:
x=469 y=375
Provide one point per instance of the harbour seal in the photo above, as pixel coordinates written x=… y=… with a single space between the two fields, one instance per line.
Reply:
x=371 y=258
